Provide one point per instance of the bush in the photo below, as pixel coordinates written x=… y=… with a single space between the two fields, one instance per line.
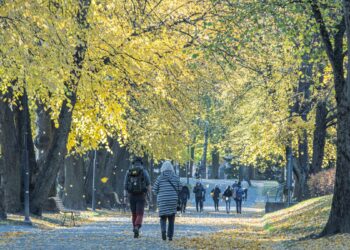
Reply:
x=322 y=183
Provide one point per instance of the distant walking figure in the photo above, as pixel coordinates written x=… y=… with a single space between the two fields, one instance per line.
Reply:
x=215 y=194
x=227 y=195
x=184 y=196
x=245 y=187
x=199 y=192
x=239 y=197
x=167 y=187
x=136 y=185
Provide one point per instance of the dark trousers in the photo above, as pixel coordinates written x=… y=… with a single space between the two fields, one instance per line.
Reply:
x=199 y=204
x=245 y=193
x=216 y=203
x=171 y=222
x=183 y=205
x=228 y=205
x=137 y=206
x=238 y=206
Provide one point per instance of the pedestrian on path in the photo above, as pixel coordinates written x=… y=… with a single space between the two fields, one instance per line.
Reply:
x=184 y=196
x=167 y=188
x=245 y=187
x=227 y=198
x=239 y=192
x=136 y=185
x=215 y=194
x=199 y=192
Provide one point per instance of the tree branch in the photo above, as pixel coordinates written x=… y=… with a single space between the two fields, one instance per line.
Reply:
x=323 y=30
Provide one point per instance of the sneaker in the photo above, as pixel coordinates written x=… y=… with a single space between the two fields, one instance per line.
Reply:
x=164 y=235
x=136 y=232
x=170 y=239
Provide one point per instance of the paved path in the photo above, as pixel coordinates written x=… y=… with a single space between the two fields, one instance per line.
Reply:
x=115 y=233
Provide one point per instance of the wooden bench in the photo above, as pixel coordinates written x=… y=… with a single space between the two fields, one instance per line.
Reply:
x=62 y=210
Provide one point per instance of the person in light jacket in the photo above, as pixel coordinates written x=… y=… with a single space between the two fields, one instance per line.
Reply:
x=167 y=187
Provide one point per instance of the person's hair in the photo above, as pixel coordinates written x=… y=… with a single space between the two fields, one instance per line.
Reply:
x=167 y=166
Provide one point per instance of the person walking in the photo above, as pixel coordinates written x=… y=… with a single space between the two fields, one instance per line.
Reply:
x=227 y=195
x=136 y=185
x=215 y=194
x=184 y=196
x=239 y=197
x=167 y=188
x=245 y=187
x=199 y=192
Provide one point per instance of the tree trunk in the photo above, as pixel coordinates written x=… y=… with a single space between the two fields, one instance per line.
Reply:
x=319 y=139
x=192 y=160
x=215 y=156
x=339 y=218
x=3 y=215
x=74 y=197
x=203 y=166
x=11 y=156
x=55 y=157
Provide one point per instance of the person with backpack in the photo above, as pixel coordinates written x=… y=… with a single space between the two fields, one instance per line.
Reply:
x=137 y=184
x=167 y=188
x=239 y=192
x=184 y=196
x=199 y=192
x=215 y=194
x=227 y=195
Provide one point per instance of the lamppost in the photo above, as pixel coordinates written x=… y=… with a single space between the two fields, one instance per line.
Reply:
x=25 y=160
x=93 y=199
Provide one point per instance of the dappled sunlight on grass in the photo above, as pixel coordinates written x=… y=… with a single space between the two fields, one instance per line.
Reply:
x=279 y=230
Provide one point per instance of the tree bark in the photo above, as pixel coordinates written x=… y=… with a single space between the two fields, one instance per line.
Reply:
x=339 y=218
x=203 y=166
x=11 y=156
x=3 y=215
x=319 y=139
x=215 y=156
x=73 y=195
x=55 y=157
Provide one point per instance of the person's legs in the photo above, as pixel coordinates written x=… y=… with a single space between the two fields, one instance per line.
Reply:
x=201 y=204
x=229 y=205
x=197 y=204
x=133 y=209
x=246 y=194
x=171 y=225
x=140 y=208
x=184 y=205
x=163 y=226
x=240 y=206
x=237 y=206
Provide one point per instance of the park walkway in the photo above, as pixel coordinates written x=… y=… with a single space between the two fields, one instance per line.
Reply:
x=115 y=232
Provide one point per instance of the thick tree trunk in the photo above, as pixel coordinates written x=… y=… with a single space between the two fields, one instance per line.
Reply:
x=55 y=157
x=74 y=197
x=319 y=139
x=11 y=156
x=43 y=139
x=339 y=219
x=215 y=156
x=3 y=215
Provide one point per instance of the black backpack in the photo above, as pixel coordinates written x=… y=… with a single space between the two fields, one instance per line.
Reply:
x=136 y=183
